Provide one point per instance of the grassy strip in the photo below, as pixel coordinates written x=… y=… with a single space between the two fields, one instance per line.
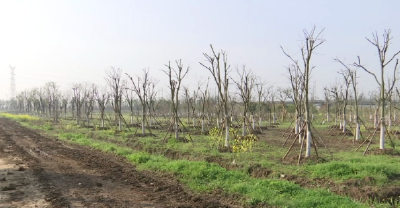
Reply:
x=19 y=118
x=205 y=177
x=380 y=167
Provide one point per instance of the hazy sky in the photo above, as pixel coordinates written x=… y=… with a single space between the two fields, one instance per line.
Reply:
x=70 y=41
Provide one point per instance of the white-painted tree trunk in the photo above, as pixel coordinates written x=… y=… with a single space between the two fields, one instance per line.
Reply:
x=308 y=143
x=176 y=128
x=202 y=125
x=254 y=123
x=382 y=138
x=193 y=121
x=226 y=134
x=327 y=117
x=340 y=125
x=131 y=118
x=260 y=121
x=300 y=137
x=102 y=123
x=344 y=126
x=119 y=124
x=357 y=131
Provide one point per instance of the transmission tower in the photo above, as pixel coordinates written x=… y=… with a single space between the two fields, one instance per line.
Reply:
x=12 y=87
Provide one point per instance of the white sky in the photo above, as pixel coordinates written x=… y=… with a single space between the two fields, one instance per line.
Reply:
x=77 y=40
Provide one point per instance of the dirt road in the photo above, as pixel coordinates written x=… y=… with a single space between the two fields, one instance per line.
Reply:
x=42 y=172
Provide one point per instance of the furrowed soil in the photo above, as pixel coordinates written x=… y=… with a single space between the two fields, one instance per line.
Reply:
x=44 y=172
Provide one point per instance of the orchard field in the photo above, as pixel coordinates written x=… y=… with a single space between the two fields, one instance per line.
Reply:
x=252 y=175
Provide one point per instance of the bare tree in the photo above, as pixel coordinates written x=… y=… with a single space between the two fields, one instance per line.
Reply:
x=283 y=95
x=312 y=40
x=353 y=76
x=175 y=86
x=102 y=99
x=89 y=101
x=245 y=86
x=193 y=103
x=204 y=96
x=141 y=88
x=186 y=94
x=115 y=83
x=344 y=93
x=260 y=91
x=328 y=105
x=221 y=78
x=128 y=93
x=296 y=78
x=52 y=91
x=65 y=97
x=151 y=99
x=382 y=49
x=268 y=99
x=80 y=96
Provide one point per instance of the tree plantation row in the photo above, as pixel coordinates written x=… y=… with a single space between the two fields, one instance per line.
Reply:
x=246 y=102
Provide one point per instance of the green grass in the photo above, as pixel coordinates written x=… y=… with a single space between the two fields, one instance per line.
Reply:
x=355 y=166
x=206 y=177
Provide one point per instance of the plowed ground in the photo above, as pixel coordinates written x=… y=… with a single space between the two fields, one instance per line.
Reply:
x=44 y=172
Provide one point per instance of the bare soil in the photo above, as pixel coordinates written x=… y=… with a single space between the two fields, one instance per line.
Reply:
x=44 y=172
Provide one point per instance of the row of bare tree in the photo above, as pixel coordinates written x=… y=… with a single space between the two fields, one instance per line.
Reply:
x=139 y=91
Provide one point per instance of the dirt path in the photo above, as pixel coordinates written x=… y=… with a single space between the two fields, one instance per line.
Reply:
x=42 y=172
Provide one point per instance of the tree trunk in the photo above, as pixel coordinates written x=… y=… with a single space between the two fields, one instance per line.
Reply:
x=151 y=120
x=176 y=127
x=382 y=139
x=244 y=125
x=143 y=119
x=344 y=125
x=202 y=124
x=357 y=131
x=254 y=122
